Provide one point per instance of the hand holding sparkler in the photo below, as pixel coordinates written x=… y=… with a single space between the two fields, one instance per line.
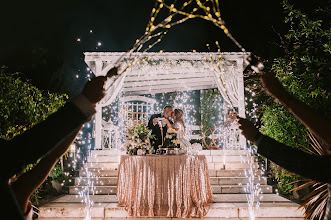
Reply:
x=113 y=72
x=93 y=90
x=231 y=117
x=248 y=129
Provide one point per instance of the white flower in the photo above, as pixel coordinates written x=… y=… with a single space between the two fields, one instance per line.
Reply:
x=140 y=152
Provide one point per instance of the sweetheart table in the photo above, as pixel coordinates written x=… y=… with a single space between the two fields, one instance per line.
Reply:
x=164 y=185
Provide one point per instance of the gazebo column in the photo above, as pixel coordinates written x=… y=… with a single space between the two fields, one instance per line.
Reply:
x=241 y=97
x=241 y=92
x=98 y=127
x=98 y=115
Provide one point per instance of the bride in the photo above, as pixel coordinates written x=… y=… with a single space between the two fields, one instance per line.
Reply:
x=179 y=126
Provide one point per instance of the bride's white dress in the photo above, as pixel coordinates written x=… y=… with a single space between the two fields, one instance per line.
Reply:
x=181 y=135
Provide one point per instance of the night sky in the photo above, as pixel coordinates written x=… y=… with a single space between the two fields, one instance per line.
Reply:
x=39 y=38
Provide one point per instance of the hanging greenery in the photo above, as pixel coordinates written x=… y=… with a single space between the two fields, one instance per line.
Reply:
x=210 y=104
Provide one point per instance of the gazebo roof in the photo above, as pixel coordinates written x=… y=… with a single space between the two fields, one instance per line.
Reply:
x=167 y=72
x=163 y=72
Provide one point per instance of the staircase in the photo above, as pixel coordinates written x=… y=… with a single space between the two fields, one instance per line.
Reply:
x=227 y=172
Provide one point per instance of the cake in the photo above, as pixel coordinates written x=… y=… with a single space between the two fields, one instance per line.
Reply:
x=171 y=140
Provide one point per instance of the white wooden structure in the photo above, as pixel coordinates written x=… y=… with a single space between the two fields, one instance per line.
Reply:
x=167 y=72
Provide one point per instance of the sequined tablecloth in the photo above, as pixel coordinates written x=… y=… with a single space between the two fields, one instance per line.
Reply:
x=171 y=185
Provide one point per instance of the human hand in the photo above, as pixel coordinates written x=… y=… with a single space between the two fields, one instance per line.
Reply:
x=113 y=71
x=233 y=115
x=248 y=129
x=93 y=90
x=165 y=120
x=272 y=86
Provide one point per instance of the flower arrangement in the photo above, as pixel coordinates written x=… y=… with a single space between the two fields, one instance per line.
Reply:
x=137 y=139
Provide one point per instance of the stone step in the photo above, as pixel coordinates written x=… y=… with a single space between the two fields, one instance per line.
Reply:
x=99 y=172
x=233 y=173
x=211 y=166
x=219 y=198
x=224 y=189
x=165 y=218
x=212 y=173
x=232 y=166
x=109 y=152
x=102 y=165
x=95 y=190
x=104 y=158
x=224 y=152
x=112 y=181
x=239 y=189
x=230 y=158
x=102 y=209
x=96 y=181
x=236 y=180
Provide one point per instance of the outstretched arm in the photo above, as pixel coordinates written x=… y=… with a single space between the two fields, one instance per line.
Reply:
x=316 y=123
x=30 y=181
x=294 y=160
x=43 y=137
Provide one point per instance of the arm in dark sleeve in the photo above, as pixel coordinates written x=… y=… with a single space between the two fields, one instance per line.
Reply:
x=43 y=137
x=314 y=167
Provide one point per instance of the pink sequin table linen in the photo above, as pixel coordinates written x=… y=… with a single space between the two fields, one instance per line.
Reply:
x=171 y=185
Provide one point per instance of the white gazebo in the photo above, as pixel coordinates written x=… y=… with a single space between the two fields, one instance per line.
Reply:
x=167 y=72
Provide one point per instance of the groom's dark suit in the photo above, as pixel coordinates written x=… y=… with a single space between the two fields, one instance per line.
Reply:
x=156 y=130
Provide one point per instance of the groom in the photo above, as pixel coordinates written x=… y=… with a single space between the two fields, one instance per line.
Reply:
x=155 y=125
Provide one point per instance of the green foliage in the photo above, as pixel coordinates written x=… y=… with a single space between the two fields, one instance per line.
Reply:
x=304 y=71
x=142 y=132
x=22 y=105
x=281 y=125
x=284 y=180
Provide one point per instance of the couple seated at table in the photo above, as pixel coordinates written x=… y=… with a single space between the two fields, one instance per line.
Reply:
x=170 y=118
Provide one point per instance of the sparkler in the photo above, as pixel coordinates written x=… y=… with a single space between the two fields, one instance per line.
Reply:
x=177 y=13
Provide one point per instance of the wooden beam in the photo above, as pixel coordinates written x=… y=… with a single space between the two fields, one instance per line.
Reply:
x=138 y=98
x=155 y=91
x=170 y=82
x=113 y=56
x=174 y=85
x=147 y=76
